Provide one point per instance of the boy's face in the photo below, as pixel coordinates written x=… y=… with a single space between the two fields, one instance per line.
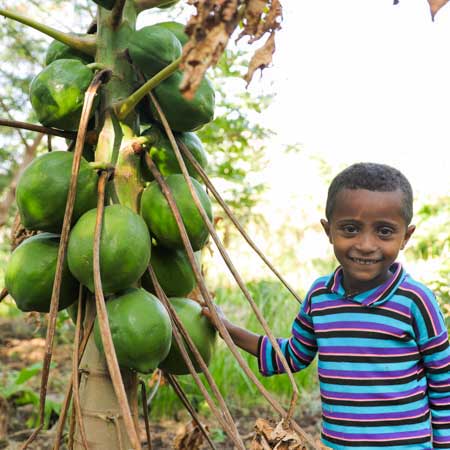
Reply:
x=367 y=231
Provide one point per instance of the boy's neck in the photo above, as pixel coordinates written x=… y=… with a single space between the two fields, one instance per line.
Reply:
x=353 y=291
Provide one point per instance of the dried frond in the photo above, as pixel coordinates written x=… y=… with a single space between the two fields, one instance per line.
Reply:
x=262 y=58
x=210 y=30
x=261 y=17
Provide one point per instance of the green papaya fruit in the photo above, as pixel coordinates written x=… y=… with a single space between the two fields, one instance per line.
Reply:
x=177 y=29
x=159 y=218
x=31 y=271
x=124 y=249
x=163 y=155
x=173 y=271
x=42 y=190
x=141 y=330
x=58 y=50
x=57 y=93
x=152 y=48
x=200 y=330
x=183 y=114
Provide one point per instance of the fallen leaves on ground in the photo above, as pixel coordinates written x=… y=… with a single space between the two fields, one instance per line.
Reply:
x=189 y=437
x=276 y=436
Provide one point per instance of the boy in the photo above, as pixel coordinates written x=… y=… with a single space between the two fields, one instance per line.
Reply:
x=384 y=359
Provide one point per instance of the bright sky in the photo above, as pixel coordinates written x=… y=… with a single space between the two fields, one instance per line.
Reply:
x=365 y=80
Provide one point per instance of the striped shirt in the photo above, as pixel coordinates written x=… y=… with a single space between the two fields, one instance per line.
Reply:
x=384 y=363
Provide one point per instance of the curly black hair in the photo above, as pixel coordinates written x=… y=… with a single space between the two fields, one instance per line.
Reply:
x=373 y=177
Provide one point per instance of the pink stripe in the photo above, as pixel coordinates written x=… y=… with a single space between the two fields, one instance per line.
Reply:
x=343 y=304
x=303 y=358
x=308 y=299
x=391 y=282
x=441 y=339
x=373 y=438
x=401 y=313
x=375 y=419
x=364 y=354
x=424 y=304
x=360 y=329
x=363 y=399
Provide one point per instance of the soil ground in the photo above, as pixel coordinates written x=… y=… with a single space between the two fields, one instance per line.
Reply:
x=22 y=344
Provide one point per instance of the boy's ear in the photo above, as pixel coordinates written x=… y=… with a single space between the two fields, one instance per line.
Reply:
x=409 y=231
x=326 y=227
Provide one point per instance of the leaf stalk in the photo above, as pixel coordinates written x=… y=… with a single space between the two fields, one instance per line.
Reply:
x=85 y=44
x=126 y=106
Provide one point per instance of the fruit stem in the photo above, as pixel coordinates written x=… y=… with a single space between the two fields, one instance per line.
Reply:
x=101 y=165
x=97 y=66
x=126 y=106
x=86 y=44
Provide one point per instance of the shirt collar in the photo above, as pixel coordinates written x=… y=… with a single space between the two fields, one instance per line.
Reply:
x=373 y=295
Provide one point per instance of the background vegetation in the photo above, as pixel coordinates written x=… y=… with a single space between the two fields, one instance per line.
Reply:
x=287 y=229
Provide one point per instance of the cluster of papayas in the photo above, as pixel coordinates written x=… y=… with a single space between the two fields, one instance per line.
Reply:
x=140 y=326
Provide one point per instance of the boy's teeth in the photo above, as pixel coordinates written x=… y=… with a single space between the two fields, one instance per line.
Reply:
x=364 y=261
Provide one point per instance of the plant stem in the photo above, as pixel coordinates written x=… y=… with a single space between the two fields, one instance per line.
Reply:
x=38 y=128
x=125 y=107
x=96 y=66
x=101 y=165
x=85 y=44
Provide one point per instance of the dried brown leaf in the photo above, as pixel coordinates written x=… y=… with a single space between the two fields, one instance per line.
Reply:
x=273 y=17
x=209 y=31
x=261 y=17
x=262 y=58
x=270 y=436
x=252 y=17
x=435 y=6
x=189 y=437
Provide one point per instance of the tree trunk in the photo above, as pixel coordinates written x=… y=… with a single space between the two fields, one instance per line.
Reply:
x=100 y=410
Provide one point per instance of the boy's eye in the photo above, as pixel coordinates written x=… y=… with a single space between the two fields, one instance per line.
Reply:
x=349 y=229
x=385 y=231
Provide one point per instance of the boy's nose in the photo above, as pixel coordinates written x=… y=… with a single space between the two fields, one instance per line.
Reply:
x=366 y=243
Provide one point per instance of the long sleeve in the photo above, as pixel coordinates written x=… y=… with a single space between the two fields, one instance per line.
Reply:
x=434 y=348
x=299 y=349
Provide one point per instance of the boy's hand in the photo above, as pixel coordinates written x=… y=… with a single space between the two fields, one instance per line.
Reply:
x=207 y=313
x=243 y=338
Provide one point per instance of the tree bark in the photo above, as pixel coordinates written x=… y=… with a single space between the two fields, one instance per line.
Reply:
x=100 y=409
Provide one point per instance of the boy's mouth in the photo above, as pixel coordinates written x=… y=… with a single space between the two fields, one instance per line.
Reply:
x=365 y=261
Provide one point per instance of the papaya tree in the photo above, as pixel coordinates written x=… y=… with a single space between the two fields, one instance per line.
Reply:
x=118 y=219
x=119 y=216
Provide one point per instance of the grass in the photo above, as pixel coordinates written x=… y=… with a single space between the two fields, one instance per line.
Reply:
x=279 y=308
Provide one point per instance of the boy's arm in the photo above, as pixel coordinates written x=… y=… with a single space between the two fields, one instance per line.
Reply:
x=434 y=347
x=299 y=350
x=244 y=339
